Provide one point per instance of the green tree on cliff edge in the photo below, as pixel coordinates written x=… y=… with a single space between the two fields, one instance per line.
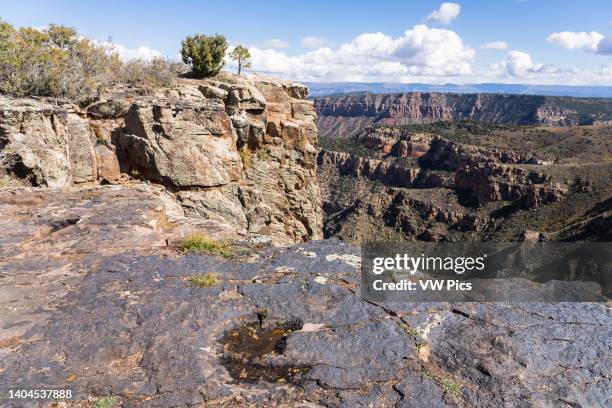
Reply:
x=242 y=56
x=204 y=53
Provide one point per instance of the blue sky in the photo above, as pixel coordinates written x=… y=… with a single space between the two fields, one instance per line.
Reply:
x=536 y=41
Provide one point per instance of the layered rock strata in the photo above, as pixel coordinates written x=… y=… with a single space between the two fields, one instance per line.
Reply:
x=233 y=149
x=348 y=115
x=487 y=181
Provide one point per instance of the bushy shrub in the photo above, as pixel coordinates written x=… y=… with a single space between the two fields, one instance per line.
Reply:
x=204 y=53
x=52 y=62
x=205 y=280
x=152 y=74
x=245 y=156
x=58 y=62
x=107 y=402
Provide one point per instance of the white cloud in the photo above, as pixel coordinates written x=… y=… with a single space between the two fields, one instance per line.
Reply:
x=604 y=47
x=313 y=42
x=593 y=41
x=446 y=13
x=576 y=40
x=495 y=45
x=143 y=52
x=518 y=63
x=420 y=53
x=274 y=43
x=520 y=68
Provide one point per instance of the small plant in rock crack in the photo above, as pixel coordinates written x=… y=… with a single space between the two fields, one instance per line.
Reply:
x=200 y=243
x=447 y=384
x=410 y=330
x=107 y=402
x=135 y=173
x=245 y=156
x=205 y=280
x=101 y=141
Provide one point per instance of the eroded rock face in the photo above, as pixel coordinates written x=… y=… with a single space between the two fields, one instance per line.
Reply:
x=395 y=141
x=184 y=141
x=407 y=185
x=232 y=148
x=348 y=115
x=449 y=155
x=495 y=182
x=388 y=173
x=44 y=144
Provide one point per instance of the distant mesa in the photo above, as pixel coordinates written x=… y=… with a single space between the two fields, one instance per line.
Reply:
x=338 y=88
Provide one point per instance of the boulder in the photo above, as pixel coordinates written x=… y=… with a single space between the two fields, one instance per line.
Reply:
x=182 y=145
x=44 y=144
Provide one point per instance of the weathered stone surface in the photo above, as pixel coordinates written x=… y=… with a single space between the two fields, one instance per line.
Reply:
x=80 y=150
x=395 y=141
x=52 y=238
x=388 y=173
x=221 y=203
x=49 y=238
x=449 y=155
x=233 y=149
x=44 y=144
x=108 y=169
x=134 y=327
x=186 y=146
x=494 y=182
x=213 y=92
x=243 y=97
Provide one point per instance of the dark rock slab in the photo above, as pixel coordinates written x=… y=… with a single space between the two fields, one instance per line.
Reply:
x=287 y=327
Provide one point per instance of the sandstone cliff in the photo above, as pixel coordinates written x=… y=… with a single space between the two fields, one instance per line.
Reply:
x=241 y=151
x=347 y=115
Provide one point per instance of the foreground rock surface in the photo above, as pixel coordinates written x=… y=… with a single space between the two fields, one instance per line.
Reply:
x=281 y=327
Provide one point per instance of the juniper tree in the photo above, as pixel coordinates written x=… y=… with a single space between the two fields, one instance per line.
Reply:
x=204 y=53
x=242 y=56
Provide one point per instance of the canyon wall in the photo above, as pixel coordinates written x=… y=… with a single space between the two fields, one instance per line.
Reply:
x=485 y=178
x=242 y=151
x=348 y=115
x=396 y=184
